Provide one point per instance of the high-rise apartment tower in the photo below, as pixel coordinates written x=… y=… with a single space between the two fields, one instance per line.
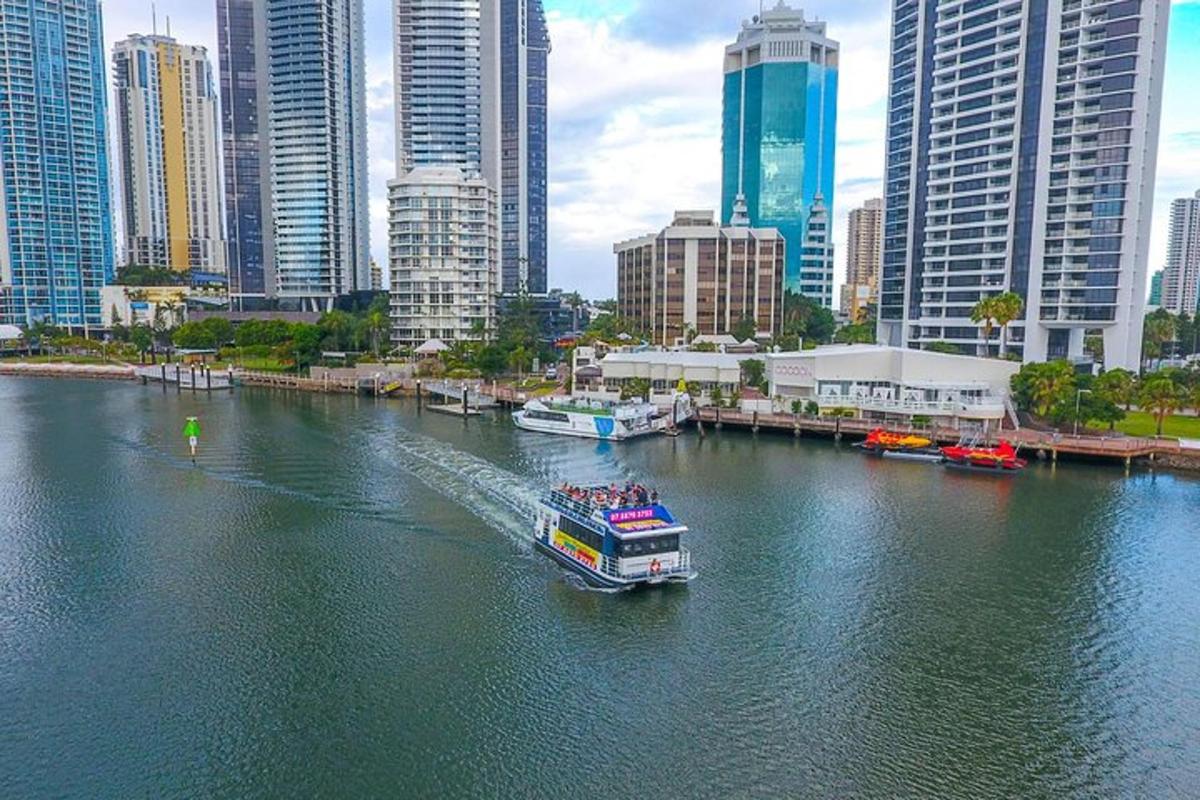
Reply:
x=168 y=152
x=56 y=239
x=1181 y=278
x=864 y=256
x=1021 y=148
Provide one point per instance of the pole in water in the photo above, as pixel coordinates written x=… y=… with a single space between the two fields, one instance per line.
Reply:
x=191 y=431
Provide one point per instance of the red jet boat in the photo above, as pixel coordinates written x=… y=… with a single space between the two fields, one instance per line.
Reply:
x=1001 y=458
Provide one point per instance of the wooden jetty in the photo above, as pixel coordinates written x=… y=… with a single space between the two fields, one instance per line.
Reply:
x=1049 y=445
x=193 y=377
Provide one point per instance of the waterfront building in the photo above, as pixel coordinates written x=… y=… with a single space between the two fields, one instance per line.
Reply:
x=777 y=140
x=168 y=147
x=864 y=257
x=1181 y=278
x=1021 y=150
x=603 y=379
x=894 y=384
x=144 y=305
x=56 y=238
x=448 y=98
x=524 y=47
x=443 y=242
x=245 y=121
x=1156 y=286
x=697 y=276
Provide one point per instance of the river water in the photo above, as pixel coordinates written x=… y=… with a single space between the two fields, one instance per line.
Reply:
x=338 y=599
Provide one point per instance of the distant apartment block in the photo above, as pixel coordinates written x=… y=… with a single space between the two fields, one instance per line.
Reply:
x=443 y=241
x=697 y=275
x=1156 y=289
x=779 y=124
x=56 y=238
x=524 y=48
x=241 y=40
x=168 y=152
x=1022 y=142
x=864 y=258
x=1181 y=278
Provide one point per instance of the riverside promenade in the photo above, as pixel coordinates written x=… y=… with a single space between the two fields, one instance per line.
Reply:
x=1121 y=449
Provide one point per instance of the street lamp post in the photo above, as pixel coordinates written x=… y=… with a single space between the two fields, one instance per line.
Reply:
x=1079 y=393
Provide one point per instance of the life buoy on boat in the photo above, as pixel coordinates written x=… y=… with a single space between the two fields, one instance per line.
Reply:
x=655 y=567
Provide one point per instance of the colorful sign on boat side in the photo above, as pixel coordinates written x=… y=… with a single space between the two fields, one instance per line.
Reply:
x=575 y=549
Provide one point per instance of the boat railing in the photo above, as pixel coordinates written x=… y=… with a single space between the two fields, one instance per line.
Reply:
x=611 y=567
x=583 y=508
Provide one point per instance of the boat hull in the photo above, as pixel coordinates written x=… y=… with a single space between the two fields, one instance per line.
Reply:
x=617 y=435
x=599 y=581
x=989 y=470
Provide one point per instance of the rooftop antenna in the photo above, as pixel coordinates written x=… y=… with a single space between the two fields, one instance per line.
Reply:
x=168 y=26
x=154 y=19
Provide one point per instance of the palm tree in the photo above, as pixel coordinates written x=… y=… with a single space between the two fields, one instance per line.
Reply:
x=1193 y=398
x=1162 y=397
x=1050 y=384
x=1117 y=386
x=984 y=314
x=377 y=326
x=575 y=301
x=1005 y=308
x=1157 y=331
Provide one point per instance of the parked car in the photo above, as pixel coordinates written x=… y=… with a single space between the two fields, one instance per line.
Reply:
x=551 y=373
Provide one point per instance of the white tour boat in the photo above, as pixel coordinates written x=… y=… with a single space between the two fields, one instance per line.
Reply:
x=612 y=539
x=593 y=419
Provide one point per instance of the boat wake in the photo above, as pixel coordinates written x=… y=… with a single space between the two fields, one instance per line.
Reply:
x=500 y=498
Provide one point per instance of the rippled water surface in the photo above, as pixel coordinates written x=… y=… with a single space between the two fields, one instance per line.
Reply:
x=338 y=599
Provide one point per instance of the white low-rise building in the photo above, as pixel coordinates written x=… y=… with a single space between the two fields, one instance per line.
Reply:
x=664 y=369
x=894 y=384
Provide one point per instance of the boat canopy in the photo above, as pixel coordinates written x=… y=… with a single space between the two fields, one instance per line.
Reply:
x=639 y=519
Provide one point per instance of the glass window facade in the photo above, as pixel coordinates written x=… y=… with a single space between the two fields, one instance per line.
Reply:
x=56 y=226
x=779 y=124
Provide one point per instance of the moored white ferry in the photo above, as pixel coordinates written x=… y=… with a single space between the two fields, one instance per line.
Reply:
x=609 y=543
x=591 y=419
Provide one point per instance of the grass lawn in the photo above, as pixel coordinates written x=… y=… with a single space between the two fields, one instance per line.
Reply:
x=264 y=364
x=1141 y=423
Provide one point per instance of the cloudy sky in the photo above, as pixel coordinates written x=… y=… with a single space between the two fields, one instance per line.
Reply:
x=635 y=123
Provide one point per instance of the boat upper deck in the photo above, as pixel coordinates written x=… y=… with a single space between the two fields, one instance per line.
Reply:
x=627 y=513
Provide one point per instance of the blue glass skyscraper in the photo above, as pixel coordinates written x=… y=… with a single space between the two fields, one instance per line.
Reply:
x=56 y=239
x=777 y=144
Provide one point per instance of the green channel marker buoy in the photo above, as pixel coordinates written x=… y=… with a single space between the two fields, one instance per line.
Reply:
x=191 y=430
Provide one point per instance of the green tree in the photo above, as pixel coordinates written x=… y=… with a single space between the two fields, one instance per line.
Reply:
x=1157 y=329
x=490 y=360
x=805 y=318
x=812 y=408
x=983 y=314
x=636 y=387
x=141 y=337
x=717 y=396
x=193 y=336
x=220 y=328
x=1161 y=397
x=754 y=373
x=1006 y=308
x=1039 y=387
x=744 y=328
x=858 y=333
x=1117 y=385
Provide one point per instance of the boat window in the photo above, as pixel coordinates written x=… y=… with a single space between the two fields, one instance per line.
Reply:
x=651 y=546
x=549 y=416
x=581 y=533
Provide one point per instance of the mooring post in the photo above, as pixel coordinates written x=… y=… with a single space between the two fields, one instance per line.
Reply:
x=418 y=394
x=178 y=381
x=464 y=398
x=1054 y=455
x=164 y=376
x=229 y=376
x=718 y=423
x=754 y=423
x=208 y=378
x=193 y=371
x=837 y=428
